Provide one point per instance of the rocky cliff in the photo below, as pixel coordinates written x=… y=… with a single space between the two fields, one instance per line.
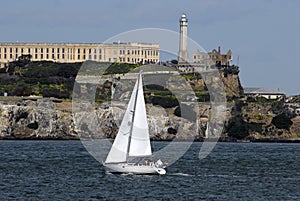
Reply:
x=259 y=119
x=35 y=119
x=53 y=119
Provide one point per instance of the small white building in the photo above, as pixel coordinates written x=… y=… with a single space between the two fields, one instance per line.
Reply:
x=267 y=93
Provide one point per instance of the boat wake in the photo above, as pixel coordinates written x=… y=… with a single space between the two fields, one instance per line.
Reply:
x=180 y=174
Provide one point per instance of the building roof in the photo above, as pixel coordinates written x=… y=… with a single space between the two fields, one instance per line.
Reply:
x=262 y=90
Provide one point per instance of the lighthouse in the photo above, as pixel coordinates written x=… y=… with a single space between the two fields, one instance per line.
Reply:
x=183 y=55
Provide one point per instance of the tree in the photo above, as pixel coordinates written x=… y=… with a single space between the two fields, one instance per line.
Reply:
x=281 y=121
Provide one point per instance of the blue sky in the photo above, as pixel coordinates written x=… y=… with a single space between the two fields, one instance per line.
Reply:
x=265 y=34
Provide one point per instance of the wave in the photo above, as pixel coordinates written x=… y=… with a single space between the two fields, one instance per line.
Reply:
x=180 y=174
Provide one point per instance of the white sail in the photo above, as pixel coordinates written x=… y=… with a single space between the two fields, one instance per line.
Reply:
x=207 y=131
x=133 y=138
x=140 y=140
x=118 y=151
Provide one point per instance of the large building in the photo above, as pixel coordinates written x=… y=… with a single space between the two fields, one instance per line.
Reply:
x=215 y=57
x=270 y=94
x=131 y=52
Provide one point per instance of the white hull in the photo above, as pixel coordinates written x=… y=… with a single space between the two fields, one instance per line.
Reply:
x=134 y=168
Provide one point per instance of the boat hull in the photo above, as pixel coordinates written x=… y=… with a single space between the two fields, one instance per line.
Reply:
x=134 y=168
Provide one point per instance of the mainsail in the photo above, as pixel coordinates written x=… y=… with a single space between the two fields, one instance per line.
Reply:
x=138 y=141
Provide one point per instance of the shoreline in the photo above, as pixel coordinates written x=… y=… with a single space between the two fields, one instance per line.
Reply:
x=9 y=138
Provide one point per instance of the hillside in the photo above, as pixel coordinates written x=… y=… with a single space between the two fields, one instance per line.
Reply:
x=254 y=119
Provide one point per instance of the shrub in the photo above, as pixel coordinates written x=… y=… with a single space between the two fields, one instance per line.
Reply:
x=281 y=121
x=238 y=130
x=165 y=102
x=172 y=131
x=120 y=68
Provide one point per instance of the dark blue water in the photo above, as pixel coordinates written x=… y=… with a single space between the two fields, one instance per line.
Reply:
x=63 y=170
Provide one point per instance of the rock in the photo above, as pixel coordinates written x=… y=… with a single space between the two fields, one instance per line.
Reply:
x=35 y=119
x=47 y=119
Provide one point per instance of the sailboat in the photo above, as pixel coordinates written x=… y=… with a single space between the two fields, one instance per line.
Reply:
x=131 y=148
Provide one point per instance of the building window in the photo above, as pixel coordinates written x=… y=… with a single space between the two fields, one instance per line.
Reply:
x=42 y=50
x=10 y=50
x=63 y=55
x=16 y=50
x=47 y=50
x=95 y=57
x=84 y=57
x=36 y=56
x=63 y=50
x=57 y=56
x=128 y=59
x=100 y=57
x=121 y=51
x=90 y=51
x=42 y=56
x=57 y=50
x=4 y=50
x=36 y=50
x=28 y=50
x=78 y=51
x=78 y=56
x=128 y=51
x=83 y=51
x=47 y=56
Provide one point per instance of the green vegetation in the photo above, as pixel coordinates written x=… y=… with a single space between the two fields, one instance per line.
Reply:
x=258 y=117
x=157 y=90
x=231 y=70
x=120 y=68
x=50 y=79
x=165 y=102
x=192 y=76
x=241 y=129
x=281 y=121
x=203 y=96
x=41 y=78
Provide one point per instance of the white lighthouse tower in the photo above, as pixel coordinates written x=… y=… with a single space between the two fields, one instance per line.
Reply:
x=183 y=56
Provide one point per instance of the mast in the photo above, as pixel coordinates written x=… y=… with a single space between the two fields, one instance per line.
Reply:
x=133 y=114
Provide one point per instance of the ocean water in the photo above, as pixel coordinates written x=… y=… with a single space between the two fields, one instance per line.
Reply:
x=64 y=170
